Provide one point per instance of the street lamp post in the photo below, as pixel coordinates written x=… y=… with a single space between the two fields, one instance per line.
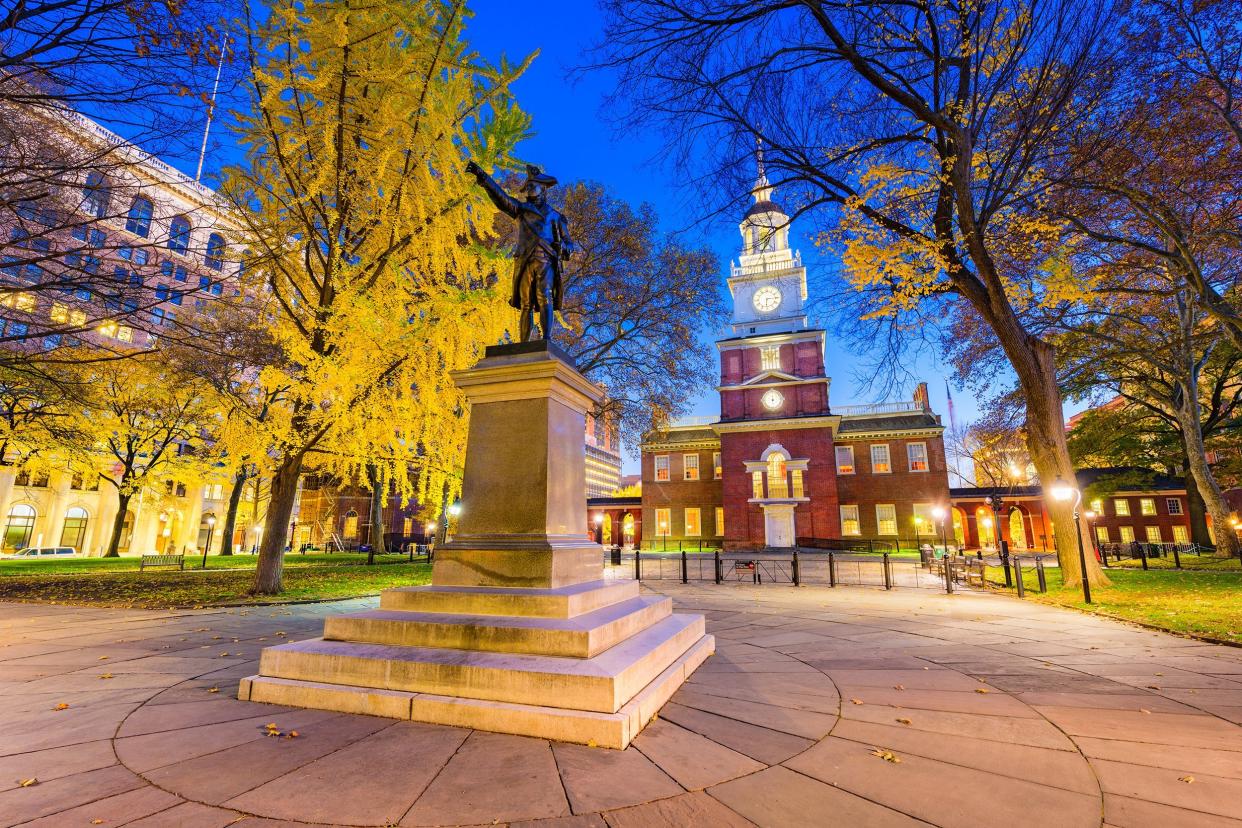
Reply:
x=997 y=502
x=1064 y=492
x=940 y=515
x=917 y=521
x=211 y=528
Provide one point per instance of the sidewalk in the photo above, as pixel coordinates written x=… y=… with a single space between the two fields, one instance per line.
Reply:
x=850 y=707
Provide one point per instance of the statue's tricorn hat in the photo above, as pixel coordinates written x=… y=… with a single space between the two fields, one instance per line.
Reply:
x=534 y=175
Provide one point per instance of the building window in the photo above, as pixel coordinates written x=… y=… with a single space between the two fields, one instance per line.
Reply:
x=717 y=469
x=662 y=522
x=849 y=521
x=720 y=521
x=139 y=220
x=690 y=467
x=1122 y=507
x=75 y=528
x=1153 y=534
x=19 y=527
x=18 y=301
x=215 y=253
x=693 y=526
x=756 y=485
x=886 y=519
x=916 y=454
x=922 y=520
x=661 y=467
x=95 y=196
x=796 y=482
x=1101 y=534
x=879 y=460
x=1097 y=506
x=1127 y=534
x=350 y=530
x=1174 y=505
x=771 y=357
x=179 y=235
x=1181 y=534
x=778 y=485
x=1147 y=506
x=845 y=459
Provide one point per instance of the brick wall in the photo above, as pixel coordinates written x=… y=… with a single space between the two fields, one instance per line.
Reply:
x=677 y=493
x=901 y=487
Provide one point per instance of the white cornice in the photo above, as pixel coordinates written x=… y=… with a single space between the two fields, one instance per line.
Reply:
x=753 y=384
x=780 y=424
x=734 y=343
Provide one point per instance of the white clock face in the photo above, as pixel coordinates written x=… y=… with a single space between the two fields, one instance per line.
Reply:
x=766 y=299
x=773 y=399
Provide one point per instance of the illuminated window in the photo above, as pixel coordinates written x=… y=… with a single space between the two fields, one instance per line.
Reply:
x=1174 y=505
x=1147 y=506
x=756 y=485
x=1127 y=534
x=916 y=454
x=886 y=519
x=1153 y=534
x=717 y=469
x=796 y=482
x=690 y=466
x=1122 y=506
x=662 y=522
x=77 y=317
x=879 y=460
x=661 y=467
x=350 y=530
x=849 y=521
x=19 y=301
x=124 y=333
x=1181 y=534
x=923 y=521
x=108 y=329
x=1097 y=506
x=778 y=486
x=720 y=521
x=59 y=312
x=771 y=356
x=693 y=526
x=1101 y=534
x=845 y=459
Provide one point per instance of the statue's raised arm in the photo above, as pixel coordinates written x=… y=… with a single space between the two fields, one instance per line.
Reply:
x=543 y=241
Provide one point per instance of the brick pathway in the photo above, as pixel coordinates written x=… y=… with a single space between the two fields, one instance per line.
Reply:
x=1000 y=713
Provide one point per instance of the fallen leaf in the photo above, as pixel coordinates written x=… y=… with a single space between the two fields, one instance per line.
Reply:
x=61 y=706
x=106 y=676
x=899 y=687
x=904 y=721
x=214 y=690
x=103 y=658
x=222 y=655
x=856 y=701
x=1152 y=687
x=1186 y=779
x=981 y=690
x=293 y=734
x=96 y=822
x=886 y=755
x=1144 y=710
x=26 y=783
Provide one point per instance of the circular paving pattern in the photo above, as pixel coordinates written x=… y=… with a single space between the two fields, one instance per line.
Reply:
x=821 y=707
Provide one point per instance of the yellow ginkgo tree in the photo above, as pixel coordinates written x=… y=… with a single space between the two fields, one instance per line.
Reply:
x=364 y=239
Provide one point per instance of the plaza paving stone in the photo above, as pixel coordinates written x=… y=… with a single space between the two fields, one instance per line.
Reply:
x=846 y=707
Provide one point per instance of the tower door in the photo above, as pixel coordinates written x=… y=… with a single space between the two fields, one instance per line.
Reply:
x=778 y=526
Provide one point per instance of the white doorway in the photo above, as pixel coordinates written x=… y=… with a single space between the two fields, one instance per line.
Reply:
x=778 y=525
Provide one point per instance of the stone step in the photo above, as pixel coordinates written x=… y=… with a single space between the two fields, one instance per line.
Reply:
x=602 y=683
x=560 y=602
x=581 y=636
x=610 y=730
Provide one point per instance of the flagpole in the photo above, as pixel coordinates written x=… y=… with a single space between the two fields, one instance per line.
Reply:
x=211 y=111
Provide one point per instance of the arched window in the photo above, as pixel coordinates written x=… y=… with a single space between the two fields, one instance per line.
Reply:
x=350 y=530
x=74 y=532
x=778 y=480
x=20 y=526
x=179 y=235
x=1017 y=531
x=96 y=195
x=215 y=251
x=139 y=220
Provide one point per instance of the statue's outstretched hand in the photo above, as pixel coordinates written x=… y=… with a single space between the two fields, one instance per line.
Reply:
x=473 y=168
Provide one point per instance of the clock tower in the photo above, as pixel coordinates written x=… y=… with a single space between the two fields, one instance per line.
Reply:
x=775 y=424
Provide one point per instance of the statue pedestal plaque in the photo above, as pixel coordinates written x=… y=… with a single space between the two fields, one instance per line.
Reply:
x=519 y=631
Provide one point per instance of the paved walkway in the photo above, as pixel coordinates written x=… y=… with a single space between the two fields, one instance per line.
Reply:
x=846 y=707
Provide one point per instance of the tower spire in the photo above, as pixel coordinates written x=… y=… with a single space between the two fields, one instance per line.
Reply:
x=763 y=189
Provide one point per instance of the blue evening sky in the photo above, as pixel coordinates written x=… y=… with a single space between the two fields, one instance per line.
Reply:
x=575 y=141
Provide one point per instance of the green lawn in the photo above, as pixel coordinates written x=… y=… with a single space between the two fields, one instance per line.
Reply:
x=1196 y=602
x=1208 y=563
x=90 y=566
x=165 y=588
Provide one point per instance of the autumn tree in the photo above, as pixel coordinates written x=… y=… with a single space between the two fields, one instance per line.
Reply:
x=919 y=127
x=360 y=220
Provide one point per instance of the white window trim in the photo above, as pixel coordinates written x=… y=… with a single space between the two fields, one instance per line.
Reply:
x=685 y=518
x=856 y=518
x=879 y=522
x=668 y=522
x=655 y=469
x=837 y=460
x=687 y=466
x=1173 y=503
x=888 y=458
x=719 y=516
x=1118 y=501
x=1153 y=511
x=910 y=459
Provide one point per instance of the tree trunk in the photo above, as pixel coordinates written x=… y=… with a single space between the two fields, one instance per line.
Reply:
x=118 y=524
x=1186 y=408
x=1196 y=509
x=375 y=477
x=230 y=516
x=284 y=491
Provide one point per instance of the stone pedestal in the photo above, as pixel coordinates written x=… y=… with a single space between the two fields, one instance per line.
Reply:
x=519 y=631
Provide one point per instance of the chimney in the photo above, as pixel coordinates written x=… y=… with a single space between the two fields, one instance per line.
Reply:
x=920 y=396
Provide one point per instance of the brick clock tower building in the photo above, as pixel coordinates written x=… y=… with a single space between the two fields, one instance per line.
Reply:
x=780 y=463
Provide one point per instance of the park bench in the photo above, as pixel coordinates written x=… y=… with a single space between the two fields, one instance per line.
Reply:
x=161 y=560
x=975 y=572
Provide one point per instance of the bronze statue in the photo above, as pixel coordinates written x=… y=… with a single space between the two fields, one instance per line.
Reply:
x=543 y=242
